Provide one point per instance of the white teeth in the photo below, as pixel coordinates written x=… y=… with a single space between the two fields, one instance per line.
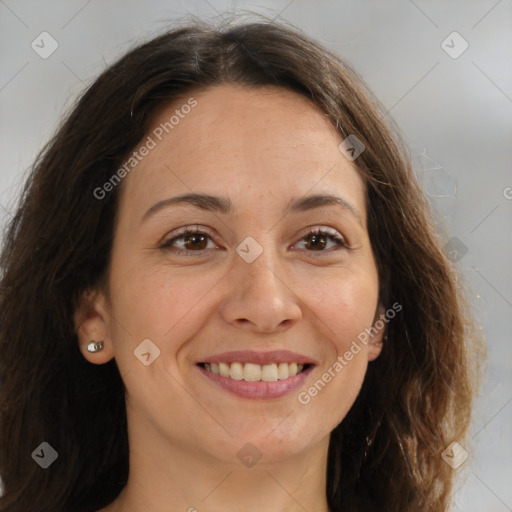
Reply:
x=269 y=373
x=236 y=371
x=224 y=369
x=282 y=371
x=251 y=372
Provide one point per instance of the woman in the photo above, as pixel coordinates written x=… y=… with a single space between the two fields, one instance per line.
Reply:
x=223 y=290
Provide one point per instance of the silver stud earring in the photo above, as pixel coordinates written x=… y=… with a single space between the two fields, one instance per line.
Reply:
x=95 y=346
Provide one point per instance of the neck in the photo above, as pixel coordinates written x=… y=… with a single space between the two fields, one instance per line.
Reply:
x=164 y=476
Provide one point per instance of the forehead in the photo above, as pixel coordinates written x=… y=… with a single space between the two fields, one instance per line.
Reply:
x=230 y=140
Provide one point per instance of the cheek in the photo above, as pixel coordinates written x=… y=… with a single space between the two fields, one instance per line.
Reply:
x=340 y=308
x=344 y=304
x=153 y=303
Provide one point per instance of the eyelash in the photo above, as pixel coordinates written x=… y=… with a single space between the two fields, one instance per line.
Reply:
x=333 y=235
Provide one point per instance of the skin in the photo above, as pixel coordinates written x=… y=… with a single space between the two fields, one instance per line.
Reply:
x=260 y=147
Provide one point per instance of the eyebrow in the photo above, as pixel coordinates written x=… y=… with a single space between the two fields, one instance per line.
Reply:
x=223 y=205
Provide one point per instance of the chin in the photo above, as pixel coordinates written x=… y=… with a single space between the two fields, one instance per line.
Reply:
x=269 y=444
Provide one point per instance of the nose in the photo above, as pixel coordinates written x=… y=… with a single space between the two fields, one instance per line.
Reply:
x=260 y=297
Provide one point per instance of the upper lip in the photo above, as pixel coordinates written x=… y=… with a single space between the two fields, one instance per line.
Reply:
x=262 y=358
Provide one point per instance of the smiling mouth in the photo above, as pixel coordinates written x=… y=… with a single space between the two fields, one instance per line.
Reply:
x=251 y=372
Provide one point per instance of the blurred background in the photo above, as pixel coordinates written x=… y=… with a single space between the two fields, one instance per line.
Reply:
x=442 y=70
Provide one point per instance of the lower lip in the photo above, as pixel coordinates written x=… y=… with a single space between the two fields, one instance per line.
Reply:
x=258 y=389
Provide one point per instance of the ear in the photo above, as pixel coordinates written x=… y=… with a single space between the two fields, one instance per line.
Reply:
x=379 y=328
x=92 y=323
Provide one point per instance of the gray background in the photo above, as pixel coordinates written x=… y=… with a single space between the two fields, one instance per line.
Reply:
x=455 y=113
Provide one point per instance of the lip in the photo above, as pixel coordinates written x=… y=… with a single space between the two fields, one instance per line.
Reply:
x=262 y=358
x=258 y=390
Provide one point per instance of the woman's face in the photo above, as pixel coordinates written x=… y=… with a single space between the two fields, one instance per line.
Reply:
x=253 y=279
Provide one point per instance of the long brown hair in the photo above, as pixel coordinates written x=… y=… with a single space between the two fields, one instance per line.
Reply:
x=417 y=396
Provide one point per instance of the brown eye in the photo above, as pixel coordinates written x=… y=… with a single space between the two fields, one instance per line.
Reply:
x=194 y=241
x=188 y=242
x=317 y=241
